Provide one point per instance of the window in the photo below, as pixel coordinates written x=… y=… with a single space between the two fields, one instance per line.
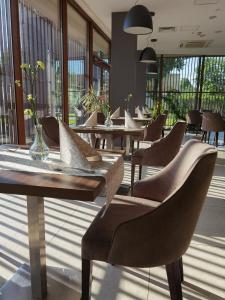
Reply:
x=77 y=59
x=40 y=35
x=8 y=128
x=101 y=67
x=101 y=47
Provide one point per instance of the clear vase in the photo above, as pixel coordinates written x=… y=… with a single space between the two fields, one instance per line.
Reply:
x=39 y=150
x=108 y=121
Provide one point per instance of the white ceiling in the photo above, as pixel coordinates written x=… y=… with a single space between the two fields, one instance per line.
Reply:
x=188 y=18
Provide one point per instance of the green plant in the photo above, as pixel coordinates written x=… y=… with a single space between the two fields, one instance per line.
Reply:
x=31 y=74
x=157 y=109
x=128 y=99
x=92 y=102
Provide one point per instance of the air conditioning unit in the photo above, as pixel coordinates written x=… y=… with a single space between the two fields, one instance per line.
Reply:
x=167 y=29
x=195 y=44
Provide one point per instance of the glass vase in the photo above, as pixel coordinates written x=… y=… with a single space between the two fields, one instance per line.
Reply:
x=108 y=121
x=39 y=150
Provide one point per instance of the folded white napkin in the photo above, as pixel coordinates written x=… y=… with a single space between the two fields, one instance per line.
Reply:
x=129 y=122
x=116 y=114
x=145 y=110
x=92 y=120
x=136 y=109
x=140 y=114
x=74 y=151
x=78 y=112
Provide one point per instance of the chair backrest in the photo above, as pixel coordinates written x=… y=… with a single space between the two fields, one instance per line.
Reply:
x=153 y=131
x=50 y=131
x=163 y=234
x=166 y=148
x=194 y=117
x=212 y=122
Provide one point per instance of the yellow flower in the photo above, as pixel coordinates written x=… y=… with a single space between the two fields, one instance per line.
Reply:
x=25 y=66
x=29 y=97
x=40 y=64
x=18 y=83
x=28 y=112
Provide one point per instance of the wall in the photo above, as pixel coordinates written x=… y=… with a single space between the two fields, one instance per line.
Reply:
x=127 y=74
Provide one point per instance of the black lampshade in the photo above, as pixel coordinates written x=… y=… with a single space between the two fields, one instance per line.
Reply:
x=138 y=21
x=152 y=69
x=148 y=56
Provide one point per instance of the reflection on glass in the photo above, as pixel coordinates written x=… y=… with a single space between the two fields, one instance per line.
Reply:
x=40 y=36
x=77 y=60
x=101 y=47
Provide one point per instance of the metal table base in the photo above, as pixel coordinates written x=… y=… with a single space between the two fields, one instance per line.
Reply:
x=60 y=286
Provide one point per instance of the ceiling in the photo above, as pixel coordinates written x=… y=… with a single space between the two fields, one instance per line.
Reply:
x=194 y=20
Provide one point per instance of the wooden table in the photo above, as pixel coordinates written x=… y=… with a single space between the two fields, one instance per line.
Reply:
x=121 y=120
x=36 y=186
x=114 y=131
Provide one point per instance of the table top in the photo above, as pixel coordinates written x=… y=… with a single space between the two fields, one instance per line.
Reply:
x=134 y=118
x=53 y=185
x=114 y=129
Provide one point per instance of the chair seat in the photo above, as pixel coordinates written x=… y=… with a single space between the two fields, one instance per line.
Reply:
x=96 y=242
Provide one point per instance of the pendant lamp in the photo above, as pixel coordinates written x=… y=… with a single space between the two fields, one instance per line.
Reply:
x=148 y=56
x=138 y=21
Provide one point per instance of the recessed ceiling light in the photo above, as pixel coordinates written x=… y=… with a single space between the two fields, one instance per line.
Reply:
x=153 y=40
x=205 y=2
x=218 y=31
x=212 y=17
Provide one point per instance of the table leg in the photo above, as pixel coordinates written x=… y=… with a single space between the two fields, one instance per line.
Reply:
x=127 y=145
x=36 y=229
x=109 y=141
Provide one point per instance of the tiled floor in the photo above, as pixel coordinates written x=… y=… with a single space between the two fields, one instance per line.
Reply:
x=66 y=222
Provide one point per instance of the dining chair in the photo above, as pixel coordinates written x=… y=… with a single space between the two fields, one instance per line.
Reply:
x=50 y=127
x=194 y=120
x=155 y=226
x=161 y=152
x=212 y=122
x=154 y=130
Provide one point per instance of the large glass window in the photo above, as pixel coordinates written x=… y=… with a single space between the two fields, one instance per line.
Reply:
x=213 y=89
x=77 y=59
x=40 y=34
x=101 y=47
x=101 y=67
x=8 y=123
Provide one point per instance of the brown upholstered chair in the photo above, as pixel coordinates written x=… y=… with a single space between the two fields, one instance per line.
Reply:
x=154 y=227
x=154 y=130
x=50 y=131
x=212 y=122
x=161 y=152
x=194 y=120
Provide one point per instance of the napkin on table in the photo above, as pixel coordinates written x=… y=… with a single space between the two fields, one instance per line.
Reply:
x=74 y=151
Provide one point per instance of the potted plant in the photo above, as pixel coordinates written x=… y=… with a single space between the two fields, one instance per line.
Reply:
x=38 y=150
x=92 y=102
x=127 y=100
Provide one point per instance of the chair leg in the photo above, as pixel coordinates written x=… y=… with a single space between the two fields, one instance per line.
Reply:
x=181 y=269
x=121 y=143
x=174 y=280
x=140 y=171
x=86 y=279
x=209 y=134
x=103 y=144
x=132 y=177
x=203 y=136
x=217 y=137
x=138 y=144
